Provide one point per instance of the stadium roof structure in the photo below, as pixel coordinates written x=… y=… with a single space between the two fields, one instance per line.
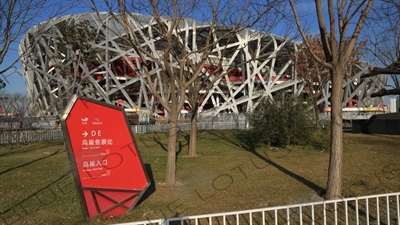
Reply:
x=254 y=65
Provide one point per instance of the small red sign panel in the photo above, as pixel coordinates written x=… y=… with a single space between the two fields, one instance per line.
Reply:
x=110 y=175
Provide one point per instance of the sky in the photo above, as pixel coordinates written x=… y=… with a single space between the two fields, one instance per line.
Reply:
x=14 y=79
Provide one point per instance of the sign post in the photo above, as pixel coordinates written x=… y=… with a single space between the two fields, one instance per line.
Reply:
x=108 y=169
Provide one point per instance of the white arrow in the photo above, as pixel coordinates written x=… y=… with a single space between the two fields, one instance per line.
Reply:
x=85 y=134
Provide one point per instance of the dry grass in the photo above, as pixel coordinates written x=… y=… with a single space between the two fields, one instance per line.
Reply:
x=36 y=184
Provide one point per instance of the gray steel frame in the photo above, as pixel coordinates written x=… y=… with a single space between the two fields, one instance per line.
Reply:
x=262 y=57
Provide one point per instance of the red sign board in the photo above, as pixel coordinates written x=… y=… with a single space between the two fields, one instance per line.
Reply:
x=109 y=171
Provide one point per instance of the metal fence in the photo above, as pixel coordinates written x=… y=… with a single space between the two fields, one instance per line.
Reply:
x=370 y=210
x=9 y=137
x=45 y=130
x=201 y=125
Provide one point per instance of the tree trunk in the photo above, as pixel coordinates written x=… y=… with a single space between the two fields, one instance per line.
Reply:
x=170 y=178
x=334 y=183
x=316 y=114
x=193 y=134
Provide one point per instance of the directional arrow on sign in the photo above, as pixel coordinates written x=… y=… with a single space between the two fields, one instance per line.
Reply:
x=111 y=177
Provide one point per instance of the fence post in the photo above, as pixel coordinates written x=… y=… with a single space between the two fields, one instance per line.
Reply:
x=236 y=118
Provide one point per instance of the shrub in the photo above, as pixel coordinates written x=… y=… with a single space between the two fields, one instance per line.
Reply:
x=284 y=121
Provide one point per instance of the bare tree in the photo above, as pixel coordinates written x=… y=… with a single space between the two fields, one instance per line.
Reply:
x=17 y=16
x=76 y=57
x=9 y=103
x=172 y=59
x=213 y=65
x=339 y=36
x=315 y=75
x=383 y=35
x=7 y=109
x=17 y=113
x=22 y=109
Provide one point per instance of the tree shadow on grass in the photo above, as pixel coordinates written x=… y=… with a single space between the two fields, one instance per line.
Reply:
x=186 y=136
x=248 y=142
x=15 y=148
x=153 y=139
x=59 y=151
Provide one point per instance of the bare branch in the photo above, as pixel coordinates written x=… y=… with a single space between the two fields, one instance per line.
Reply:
x=384 y=92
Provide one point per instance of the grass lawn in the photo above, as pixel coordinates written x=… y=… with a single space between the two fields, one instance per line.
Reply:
x=36 y=184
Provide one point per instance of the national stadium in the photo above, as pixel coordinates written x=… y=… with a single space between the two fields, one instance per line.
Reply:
x=115 y=76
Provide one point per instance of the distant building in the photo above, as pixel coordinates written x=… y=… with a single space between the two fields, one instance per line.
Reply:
x=394 y=104
x=116 y=76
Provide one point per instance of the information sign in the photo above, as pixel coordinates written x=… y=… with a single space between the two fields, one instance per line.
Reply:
x=144 y=116
x=109 y=172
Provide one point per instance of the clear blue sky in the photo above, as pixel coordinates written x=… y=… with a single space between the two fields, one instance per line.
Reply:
x=13 y=77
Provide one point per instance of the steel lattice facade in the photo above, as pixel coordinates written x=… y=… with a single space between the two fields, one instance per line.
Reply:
x=117 y=79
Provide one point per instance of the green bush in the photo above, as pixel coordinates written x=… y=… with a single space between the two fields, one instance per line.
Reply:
x=284 y=121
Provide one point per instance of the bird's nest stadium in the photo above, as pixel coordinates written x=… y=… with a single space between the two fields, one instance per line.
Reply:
x=116 y=79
